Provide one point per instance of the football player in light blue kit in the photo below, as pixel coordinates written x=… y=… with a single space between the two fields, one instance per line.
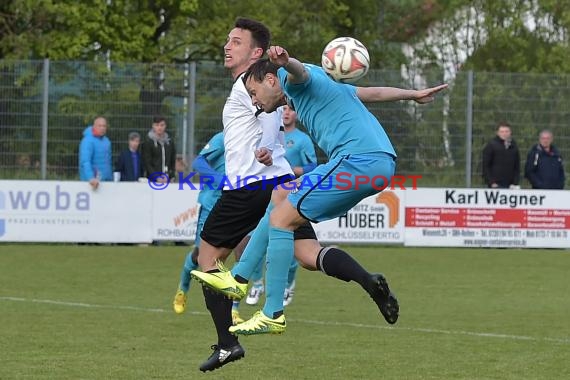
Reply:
x=300 y=153
x=209 y=162
x=299 y=148
x=355 y=142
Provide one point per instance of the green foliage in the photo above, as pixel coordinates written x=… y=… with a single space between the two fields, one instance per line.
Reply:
x=172 y=31
x=510 y=35
x=57 y=29
x=500 y=36
x=503 y=36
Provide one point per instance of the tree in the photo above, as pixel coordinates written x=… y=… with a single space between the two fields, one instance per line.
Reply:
x=426 y=41
x=56 y=29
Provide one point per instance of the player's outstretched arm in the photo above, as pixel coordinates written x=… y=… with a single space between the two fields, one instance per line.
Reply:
x=391 y=94
x=279 y=56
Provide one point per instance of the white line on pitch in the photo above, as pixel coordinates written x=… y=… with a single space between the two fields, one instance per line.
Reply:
x=299 y=320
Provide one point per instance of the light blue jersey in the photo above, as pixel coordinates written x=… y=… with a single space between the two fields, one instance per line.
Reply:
x=213 y=152
x=358 y=149
x=352 y=138
x=299 y=149
x=339 y=124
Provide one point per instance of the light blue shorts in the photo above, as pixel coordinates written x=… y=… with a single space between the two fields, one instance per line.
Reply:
x=331 y=189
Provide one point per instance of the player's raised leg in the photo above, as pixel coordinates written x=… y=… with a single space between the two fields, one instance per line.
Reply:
x=322 y=204
x=284 y=219
x=234 y=284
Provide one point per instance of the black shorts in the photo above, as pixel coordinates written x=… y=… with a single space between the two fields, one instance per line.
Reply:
x=305 y=231
x=237 y=212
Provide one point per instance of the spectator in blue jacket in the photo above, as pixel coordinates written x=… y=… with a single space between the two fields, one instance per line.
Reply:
x=95 y=154
x=129 y=163
x=544 y=167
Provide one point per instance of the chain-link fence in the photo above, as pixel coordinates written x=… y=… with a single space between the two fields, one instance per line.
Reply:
x=46 y=105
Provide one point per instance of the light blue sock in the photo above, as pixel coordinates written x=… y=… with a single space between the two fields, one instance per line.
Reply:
x=292 y=272
x=255 y=250
x=235 y=305
x=279 y=255
x=185 y=274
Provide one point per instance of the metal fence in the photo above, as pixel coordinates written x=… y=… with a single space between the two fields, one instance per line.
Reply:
x=46 y=105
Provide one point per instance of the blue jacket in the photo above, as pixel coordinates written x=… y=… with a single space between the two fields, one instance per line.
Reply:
x=126 y=166
x=95 y=157
x=544 y=170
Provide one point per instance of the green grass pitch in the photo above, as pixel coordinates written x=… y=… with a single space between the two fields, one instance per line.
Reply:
x=104 y=312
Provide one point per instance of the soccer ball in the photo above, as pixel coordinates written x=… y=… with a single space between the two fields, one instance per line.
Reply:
x=345 y=59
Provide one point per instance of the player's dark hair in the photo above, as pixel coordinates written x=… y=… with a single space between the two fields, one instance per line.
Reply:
x=258 y=70
x=503 y=124
x=158 y=119
x=259 y=32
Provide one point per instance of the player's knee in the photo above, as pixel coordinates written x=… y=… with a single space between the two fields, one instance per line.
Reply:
x=284 y=219
x=279 y=221
x=209 y=255
x=279 y=195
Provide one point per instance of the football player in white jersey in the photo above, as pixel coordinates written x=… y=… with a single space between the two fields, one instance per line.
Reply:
x=255 y=164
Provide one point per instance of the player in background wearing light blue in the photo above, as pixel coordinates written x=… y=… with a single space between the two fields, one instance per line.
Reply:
x=209 y=162
x=355 y=142
x=300 y=152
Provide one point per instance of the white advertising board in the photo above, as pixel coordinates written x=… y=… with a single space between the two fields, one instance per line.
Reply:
x=488 y=218
x=56 y=211
x=53 y=211
x=376 y=219
x=174 y=213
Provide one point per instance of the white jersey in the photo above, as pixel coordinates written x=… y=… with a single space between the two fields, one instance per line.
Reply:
x=246 y=129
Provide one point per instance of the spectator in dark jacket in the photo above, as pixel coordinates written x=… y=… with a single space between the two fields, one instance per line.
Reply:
x=544 y=168
x=501 y=160
x=158 y=151
x=129 y=164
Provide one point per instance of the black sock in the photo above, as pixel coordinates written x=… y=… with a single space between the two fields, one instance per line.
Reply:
x=337 y=263
x=220 y=308
x=240 y=279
